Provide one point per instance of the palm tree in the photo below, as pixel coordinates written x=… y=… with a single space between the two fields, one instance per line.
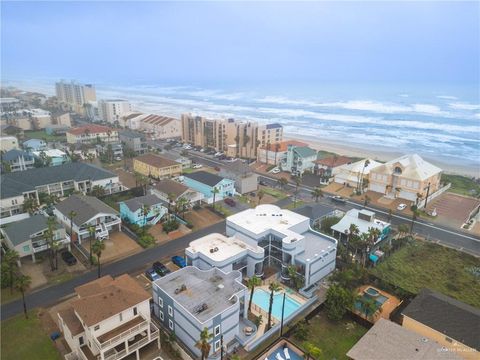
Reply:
x=418 y=199
x=260 y=194
x=11 y=258
x=252 y=283
x=71 y=215
x=97 y=191
x=51 y=242
x=397 y=191
x=369 y=307
x=366 y=201
x=30 y=205
x=91 y=232
x=22 y=282
x=293 y=275
x=97 y=248
x=282 y=182
x=414 y=217
x=141 y=180
x=144 y=211
x=317 y=193
x=171 y=198
x=310 y=350
x=182 y=205
x=204 y=343
x=360 y=183
x=214 y=192
x=352 y=231
x=273 y=287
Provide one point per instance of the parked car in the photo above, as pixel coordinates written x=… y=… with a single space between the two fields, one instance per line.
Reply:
x=275 y=170
x=151 y=274
x=263 y=183
x=69 y=259
x=222 y=157
x=253 y=194
x=230 y=202
x=401 y=207
x=338 y=199
x=179 y=261
x=197 y=166
x=217 y=168
x=160 y=269
x=217 y=154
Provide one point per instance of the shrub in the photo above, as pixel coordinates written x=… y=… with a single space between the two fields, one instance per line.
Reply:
x=189 y=225
x=146 y=240
x=271 y=167
x=301 y=331
x=196 y=207
x=170 y=225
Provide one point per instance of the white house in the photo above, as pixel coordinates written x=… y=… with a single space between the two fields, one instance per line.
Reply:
x=355 y=173
x=109 y=319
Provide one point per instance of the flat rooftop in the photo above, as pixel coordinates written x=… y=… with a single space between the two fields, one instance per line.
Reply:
x=316 y=245
x=266 y=217
x=224 y=247
x=211 y=290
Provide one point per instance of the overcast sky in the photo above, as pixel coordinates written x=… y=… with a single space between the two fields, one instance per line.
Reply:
x=415 y=42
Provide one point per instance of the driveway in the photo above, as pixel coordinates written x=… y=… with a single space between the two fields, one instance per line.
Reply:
x=118 y=246
x=202 y=217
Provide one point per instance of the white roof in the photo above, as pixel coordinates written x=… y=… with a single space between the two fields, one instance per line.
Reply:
x=266 y=217
x=413 y=167
x=351 y=217
x=224 y=247
x=51 y=153
x=358 y=167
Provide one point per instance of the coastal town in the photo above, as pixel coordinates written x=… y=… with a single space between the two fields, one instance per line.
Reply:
x=132 y=235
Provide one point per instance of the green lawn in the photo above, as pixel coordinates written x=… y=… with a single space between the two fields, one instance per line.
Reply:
x=8 y=296
x=334 y=338
x=223 y=209
x=274 y=192
x=419 y=265
x=462 y=185
x=43 y=135
x=26 y=339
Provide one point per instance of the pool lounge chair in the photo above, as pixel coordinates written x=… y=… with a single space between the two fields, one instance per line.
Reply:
x=285 y=351
x=279 y=357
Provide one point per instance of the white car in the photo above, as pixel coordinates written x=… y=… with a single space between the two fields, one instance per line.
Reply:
x=401 y=207
x=275 y=170
x=217 y=154
x=197 y=166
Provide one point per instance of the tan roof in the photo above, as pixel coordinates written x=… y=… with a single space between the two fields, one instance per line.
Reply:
x=71 y=320
x=334 y=161
x=106 y=297
x=92 y=129
x=168 y=186
x=387 y=340
x=157 y=120
x=283 y=146
x=156 y=161
x=412 y=166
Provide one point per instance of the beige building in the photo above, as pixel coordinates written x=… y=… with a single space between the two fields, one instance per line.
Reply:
x=156 y=166
x=113 y=110
x=108 y=319
x=91 y=134
x=63 y=119
x=75 y=95
x=159 y=127
x=451 y=323
x=235 y=138
x=8 y=143
x=407 y=177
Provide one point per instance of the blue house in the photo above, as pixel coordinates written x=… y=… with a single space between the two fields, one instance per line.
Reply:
x=34 y=145
x=133 y=210
x=204 y=182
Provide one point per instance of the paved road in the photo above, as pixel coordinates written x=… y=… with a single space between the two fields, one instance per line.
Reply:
x=131 y=264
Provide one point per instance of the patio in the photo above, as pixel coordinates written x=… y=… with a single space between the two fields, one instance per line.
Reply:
x=385 y=303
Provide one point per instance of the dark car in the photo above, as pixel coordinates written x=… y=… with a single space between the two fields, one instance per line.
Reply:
x=222 y=157
x=69 y=259
x=160 y=269
x=179 y=261
x=217 y=168
x=151 y=274
x=263 y=183
x=229 y=202
x=338 y=199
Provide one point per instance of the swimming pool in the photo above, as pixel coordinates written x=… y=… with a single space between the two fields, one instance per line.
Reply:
x=261 y=298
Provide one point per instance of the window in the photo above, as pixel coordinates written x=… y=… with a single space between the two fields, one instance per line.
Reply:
x=81 y=341
x=96 y=327
x=120 y=317
x=170 y=324
x=26 y=248
x=170 y=310
x=135 y=311
x=217 y=330
x=217 y=345
x=161 y=315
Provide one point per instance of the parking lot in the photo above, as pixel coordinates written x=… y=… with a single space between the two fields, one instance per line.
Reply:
x=453 y=209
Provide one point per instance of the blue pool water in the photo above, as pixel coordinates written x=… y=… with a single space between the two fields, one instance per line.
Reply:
x=262 y=298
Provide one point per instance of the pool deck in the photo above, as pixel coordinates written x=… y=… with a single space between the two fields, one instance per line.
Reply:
x=385 y=310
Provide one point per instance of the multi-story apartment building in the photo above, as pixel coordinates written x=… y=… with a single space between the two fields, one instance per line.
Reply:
x=133 y=141
x=92 y=134
x=156 y=166
x=27 y=236
x=299 y=159
x=108 y=320
x=235 y=138
x=287 y=239
x=159 y=127
x=88 y=212
x=74 y=95
x=17 y=160
x=113 y=110
x=408 y=177
x=59 y=180
x=189 y=300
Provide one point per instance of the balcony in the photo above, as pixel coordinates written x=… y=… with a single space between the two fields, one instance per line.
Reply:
x=123 y=332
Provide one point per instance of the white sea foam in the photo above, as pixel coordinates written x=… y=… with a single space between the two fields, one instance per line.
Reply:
x=464 y=106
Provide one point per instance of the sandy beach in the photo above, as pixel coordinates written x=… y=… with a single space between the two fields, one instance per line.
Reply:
x=379 y=153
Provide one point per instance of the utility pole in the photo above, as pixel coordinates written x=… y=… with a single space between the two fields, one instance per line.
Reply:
x=221 y=347
x=283 y=308
x=426 y=197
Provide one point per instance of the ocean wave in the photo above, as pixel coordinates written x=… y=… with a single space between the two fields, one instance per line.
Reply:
x=464 y=106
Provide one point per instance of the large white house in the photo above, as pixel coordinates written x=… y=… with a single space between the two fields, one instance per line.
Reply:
x=109 y=319
x=354 y=174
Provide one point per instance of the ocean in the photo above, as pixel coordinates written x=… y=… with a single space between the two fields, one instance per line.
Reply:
x=437 y=122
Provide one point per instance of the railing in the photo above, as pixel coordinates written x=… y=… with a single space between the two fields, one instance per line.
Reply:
x=82 y=355
x=71 y=356
x=123 y=335
x=117 y=355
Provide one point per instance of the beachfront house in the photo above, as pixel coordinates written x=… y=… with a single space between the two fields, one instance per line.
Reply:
x=299 y=159
x=329 y=166
x=274 y=154
x=364 y=220
x=143 y=210
x=205 y=183
x=353 y=174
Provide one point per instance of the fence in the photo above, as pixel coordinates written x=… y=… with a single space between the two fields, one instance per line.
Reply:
x=421 y=203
